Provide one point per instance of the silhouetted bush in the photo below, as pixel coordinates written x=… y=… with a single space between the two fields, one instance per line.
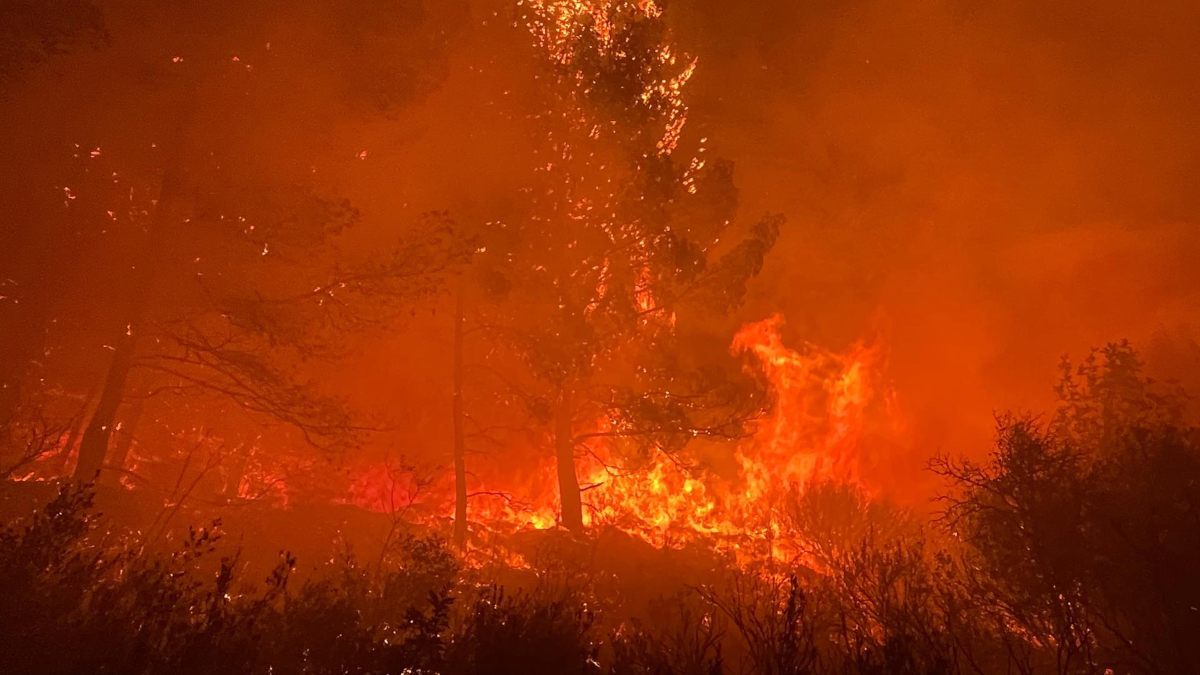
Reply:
x=1086 y=528
x=689 y=642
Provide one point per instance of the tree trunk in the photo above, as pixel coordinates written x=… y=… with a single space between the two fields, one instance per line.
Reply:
x=63 y=460
x=460 y=449
x=124 y=442
x=94 y=448
x=564 y=452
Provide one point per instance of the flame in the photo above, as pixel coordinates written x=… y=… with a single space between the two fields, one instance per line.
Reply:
x=813 y=431
x=820 y=399
x=816 y=427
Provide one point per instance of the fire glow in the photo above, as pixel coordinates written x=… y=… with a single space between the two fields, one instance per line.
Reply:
x=812 y=432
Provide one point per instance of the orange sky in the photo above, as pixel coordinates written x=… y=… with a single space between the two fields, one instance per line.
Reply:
x=983 y=189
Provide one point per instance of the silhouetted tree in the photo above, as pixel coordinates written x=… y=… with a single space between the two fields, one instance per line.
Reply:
x=211 y=245
x=599 y=286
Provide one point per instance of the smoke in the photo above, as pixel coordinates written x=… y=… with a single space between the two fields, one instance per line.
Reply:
x=980 y=190
x=986 y=187
x=977 y=189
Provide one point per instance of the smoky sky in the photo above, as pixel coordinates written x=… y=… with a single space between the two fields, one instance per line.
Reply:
x=988 y=186
x=980 y=188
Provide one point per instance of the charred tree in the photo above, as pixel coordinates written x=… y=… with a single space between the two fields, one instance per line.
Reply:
x=564 y=454
x=125 y=430
x=93 y=448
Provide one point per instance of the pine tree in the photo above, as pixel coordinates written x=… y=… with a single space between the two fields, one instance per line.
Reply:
x=604 y=280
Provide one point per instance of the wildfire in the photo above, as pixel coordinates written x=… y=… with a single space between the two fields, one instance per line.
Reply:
x=813 y=431
x=820 y=400
x=814 y=428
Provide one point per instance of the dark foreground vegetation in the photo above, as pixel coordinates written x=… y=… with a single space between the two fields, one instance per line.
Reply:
x=1074 y=549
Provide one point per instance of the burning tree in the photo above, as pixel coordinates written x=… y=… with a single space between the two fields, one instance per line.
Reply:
x=604 y=287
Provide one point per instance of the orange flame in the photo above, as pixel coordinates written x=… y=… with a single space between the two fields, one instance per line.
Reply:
x=815 y=429
x=813 y=432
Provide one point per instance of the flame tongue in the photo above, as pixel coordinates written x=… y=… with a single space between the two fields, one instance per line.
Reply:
x=812 y=432
x=816 y=425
